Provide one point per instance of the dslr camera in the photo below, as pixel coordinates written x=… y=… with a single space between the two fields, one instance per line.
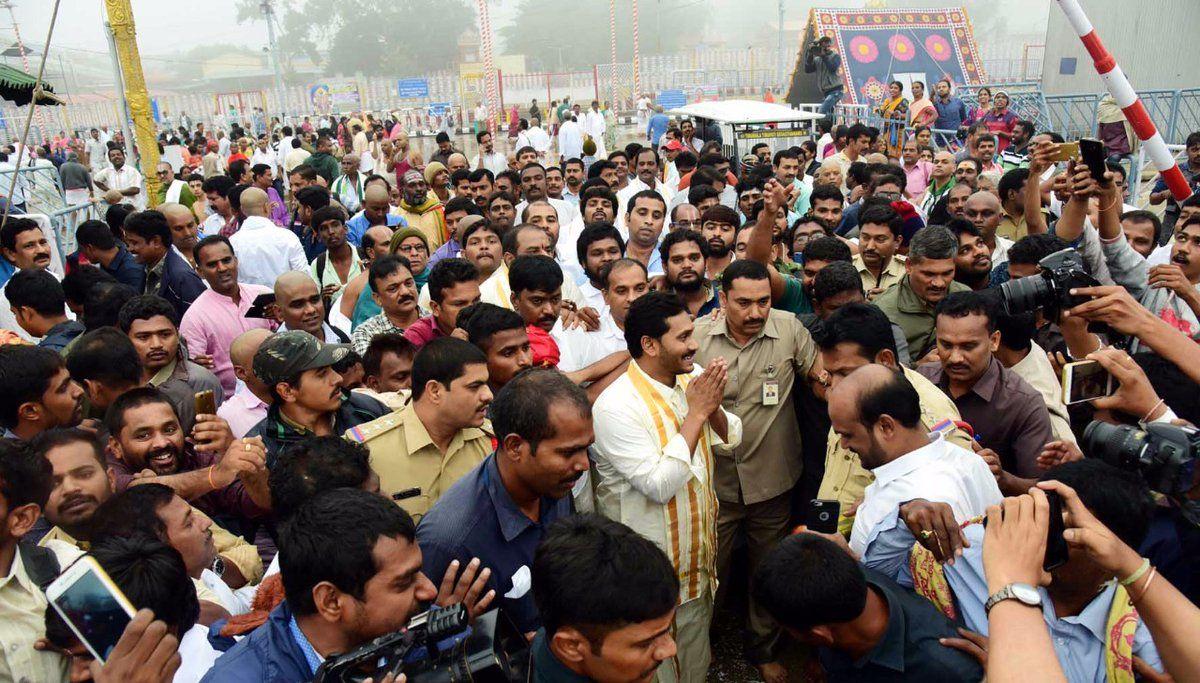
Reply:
x=438 y=646
x=1049 y=290
x=1164 y=454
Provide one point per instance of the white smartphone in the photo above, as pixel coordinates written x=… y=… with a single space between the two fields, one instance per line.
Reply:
x=1085 y=380
x=92 y=605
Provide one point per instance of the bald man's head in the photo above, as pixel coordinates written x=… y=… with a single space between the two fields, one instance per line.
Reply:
x=377 y=202
x=375 y=240
x=241 y=355
x=876 y=412
x=984 y=210
x=299 y=302
x=254 y=202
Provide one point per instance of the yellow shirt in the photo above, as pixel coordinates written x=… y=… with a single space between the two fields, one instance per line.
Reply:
x=890 y=275
x=845 y=478
x=405 y=457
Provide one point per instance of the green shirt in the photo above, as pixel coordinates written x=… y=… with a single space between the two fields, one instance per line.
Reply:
x=913 y=315
x=794 y=299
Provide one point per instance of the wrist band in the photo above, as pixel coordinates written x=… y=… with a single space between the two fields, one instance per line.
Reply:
x=1137 y=573
x=1133 y=599
x=1151 y=411
x=214 y=486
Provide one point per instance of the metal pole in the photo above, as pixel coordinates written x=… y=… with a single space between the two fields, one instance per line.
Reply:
x=119 y=86
x=637 y=56
x=779 y=48
x=612 y=30
x=269 y=11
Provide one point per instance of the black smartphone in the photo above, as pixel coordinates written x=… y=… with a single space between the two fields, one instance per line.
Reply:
x=1056 y=546
x=1092 y=153
x=823 y=516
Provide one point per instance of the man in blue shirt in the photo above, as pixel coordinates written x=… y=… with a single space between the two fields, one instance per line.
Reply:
x=500 y=511
x=657 y=125
x=951 y=111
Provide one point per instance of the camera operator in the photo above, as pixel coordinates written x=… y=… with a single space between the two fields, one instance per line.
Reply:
x=822 y=60
x=607 y=598
x=351 y=572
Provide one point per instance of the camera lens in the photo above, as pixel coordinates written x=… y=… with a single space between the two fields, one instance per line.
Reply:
x=1118 y=445
x=1025 y=294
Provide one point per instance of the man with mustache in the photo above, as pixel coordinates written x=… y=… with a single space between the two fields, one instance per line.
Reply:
x=306 y=397
x=39 y=393
x=718 y=226
x=441 y=435
x=83 y=481
x=644 y=219
x=598 y=245
x=656 y=429
x=218 y=316
x=597 y=202
x=928 y=278
x=150 y=323
x=395 y=290
x=500 y=510
x=646 y=166
x=988 y=215
x=683 y=254
x=773 y=352
x=148 y=236
x=879 y=237
x=1008 y=415
x=973 y=261
x=300 y=306
x=146 y=443
x=24 y=247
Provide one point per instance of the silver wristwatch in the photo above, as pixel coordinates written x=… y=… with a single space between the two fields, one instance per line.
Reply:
x=1021 y=592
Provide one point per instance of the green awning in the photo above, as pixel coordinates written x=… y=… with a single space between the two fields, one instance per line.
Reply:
x=18 y=87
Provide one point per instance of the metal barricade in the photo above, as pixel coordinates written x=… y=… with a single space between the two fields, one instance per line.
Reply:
x=1143 y=175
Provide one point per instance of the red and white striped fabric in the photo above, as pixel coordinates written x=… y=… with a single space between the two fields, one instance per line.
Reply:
x=1122 y=91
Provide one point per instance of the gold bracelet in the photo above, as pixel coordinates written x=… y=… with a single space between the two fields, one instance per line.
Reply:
x=1133 y=600
x=1137 y=573
x=214 y=485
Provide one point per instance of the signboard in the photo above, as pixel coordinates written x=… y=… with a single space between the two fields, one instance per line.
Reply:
x=336 y=96
x=767 y=134
x=413 y=87
x=154 y=111
x=438 y=108
x=671 y=99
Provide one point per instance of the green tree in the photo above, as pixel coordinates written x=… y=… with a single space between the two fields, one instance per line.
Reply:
x=394 y=38
x=575 y=35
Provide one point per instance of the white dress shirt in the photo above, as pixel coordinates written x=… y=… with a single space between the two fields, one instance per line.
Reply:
x=196 y=655
x=124 y=178
x=496 y=162
x=539 y=140
x=593 y=297
x=568 y=213
x=635 y=186
x=265 y=251
x=570 y=140
x=939 y=472
x=579 y=348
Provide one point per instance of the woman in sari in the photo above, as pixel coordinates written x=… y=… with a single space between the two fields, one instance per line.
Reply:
x=922 y=111
x=894 y=112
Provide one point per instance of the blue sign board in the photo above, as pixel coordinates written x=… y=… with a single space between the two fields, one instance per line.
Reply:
x=414 y=87
x=154 y=111
x=671 y=99
x=438 y=108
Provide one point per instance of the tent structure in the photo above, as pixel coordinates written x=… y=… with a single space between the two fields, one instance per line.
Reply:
x=880 y=46
x=18 y=87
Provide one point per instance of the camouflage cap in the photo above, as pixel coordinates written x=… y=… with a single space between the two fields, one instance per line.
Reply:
x=285 y=355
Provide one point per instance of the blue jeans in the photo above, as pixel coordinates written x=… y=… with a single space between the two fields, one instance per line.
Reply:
x=831 y=100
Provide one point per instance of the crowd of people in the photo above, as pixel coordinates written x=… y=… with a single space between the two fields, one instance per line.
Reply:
x=328 y=381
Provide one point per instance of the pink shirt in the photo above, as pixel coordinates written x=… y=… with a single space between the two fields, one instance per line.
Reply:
x=242 y=411
x=213 y=321
x=423 y=331
x=918 y=176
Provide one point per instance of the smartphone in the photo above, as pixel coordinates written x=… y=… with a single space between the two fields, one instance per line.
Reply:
x=206 y=402
x=1067 y=151
x=823 y=516
x=1057 y=552
x=92 y=605
x=1093 y=154
x=1085 y=380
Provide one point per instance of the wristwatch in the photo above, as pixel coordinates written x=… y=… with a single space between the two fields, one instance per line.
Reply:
x=1022 y=592
x=218 y=566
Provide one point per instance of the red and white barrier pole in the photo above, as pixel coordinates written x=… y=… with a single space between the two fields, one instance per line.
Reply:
x=1121 y=90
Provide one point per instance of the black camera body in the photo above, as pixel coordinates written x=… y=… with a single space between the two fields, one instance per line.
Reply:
x=1049 y=290
x=1164 y=454
x=438 y=646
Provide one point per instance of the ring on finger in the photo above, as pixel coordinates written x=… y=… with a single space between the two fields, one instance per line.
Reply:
x=926 y=533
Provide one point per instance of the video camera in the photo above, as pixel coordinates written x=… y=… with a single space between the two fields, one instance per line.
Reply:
x=1164 y=454
x=438 y=646
x=1049 y=290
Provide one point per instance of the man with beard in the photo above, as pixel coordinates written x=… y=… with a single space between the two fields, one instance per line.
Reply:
x=1008 y=415
x=421 y=209
x=656 y=427
x=928 y=278
x=598 y=245
x=973 y=260
x=533 y=189
x=500 y=209
x=879 y=237
x=646 y=168
x=395 y=290
x=643 y=221
x=683 y=254
x=306 y=397
x=146 y=443
x=598 y=203
x=772 y=352
x=300 y=306
x=543 y=428
x=718 y=226
x=83 y=481
x=184 y=233
x=218 y=316
x=826 y=205
x=39 y=392
x=149 y=321
x=573 y=177
x=441 y=435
